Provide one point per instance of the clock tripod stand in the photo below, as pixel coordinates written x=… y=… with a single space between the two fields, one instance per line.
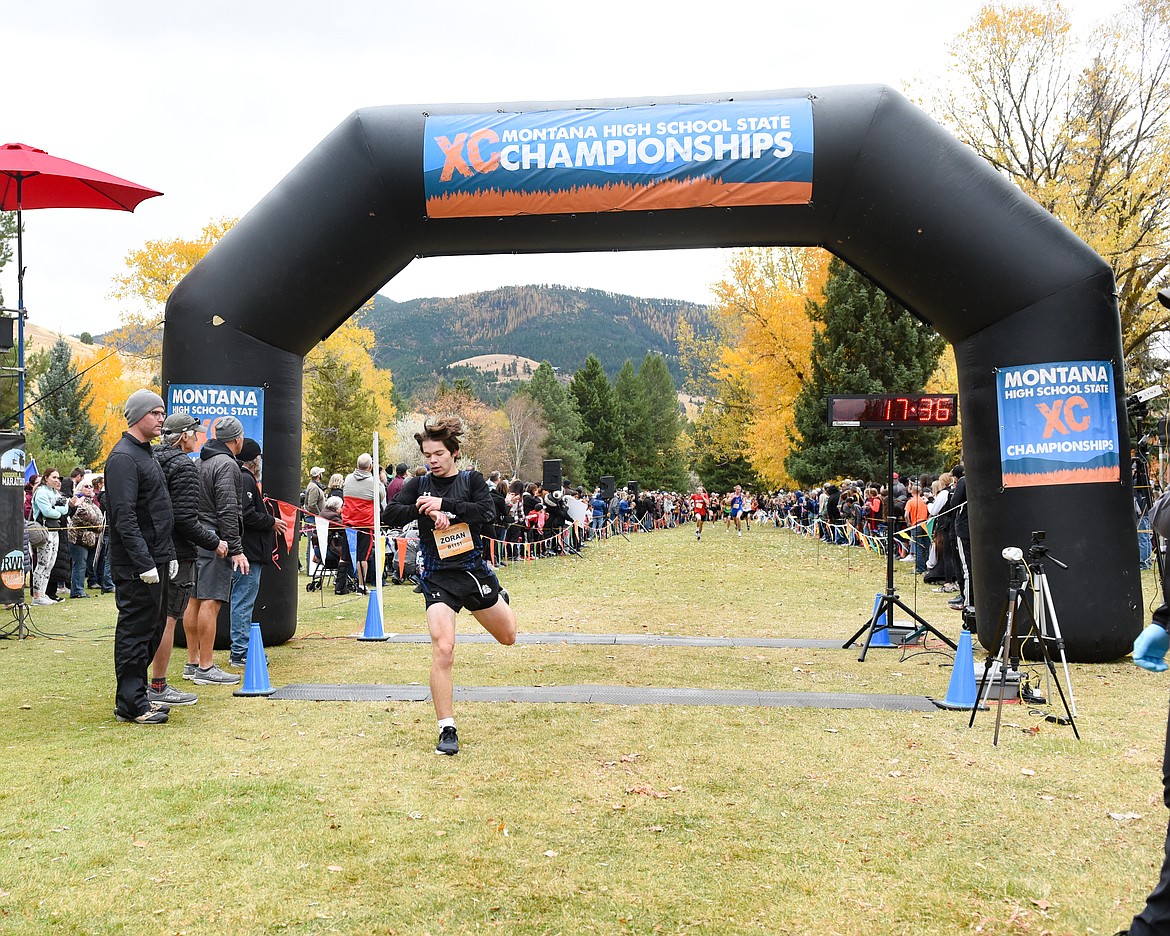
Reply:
x=884 y=608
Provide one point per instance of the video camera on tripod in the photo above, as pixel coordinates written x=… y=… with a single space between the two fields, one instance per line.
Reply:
x=1025 y=621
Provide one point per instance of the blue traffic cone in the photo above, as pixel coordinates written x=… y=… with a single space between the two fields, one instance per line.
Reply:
x=961 y=692
x=256 y=669
x=373 y=629
x=880 y=638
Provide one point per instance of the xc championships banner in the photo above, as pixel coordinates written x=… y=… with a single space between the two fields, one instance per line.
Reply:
x=1058 y=423
x=645 y=158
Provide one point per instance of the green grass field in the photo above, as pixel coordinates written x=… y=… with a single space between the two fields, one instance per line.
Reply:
x=253 y=816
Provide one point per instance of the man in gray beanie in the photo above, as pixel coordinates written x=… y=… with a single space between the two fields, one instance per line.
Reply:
x=220 y=509
x=140 y=403
x=141 y=554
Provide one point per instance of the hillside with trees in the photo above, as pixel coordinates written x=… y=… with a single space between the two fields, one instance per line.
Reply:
x=418 y=340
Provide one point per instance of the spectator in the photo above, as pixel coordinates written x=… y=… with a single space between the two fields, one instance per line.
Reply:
x=259 y=537
x=180 y=439
x=86 y=526
x=220 y=499
x=397 y=481
x=141 y=555
x=362 y=495
x=49 y=508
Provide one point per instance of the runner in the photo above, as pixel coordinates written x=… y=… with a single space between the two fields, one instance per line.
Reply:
x=450 y=507
x=736 y=504
x=700 y=504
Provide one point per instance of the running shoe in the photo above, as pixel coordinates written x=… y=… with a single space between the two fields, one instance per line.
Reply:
x=448 y=741
x=169 y=695
x=698 y=535
x=189 y=670
x=43 y=600
x=214 y=676
x=151 y=716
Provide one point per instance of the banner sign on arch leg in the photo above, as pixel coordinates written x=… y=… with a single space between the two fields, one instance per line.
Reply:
x=1058 y=424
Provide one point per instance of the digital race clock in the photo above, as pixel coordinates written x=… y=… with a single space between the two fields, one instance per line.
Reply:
x=894 y=411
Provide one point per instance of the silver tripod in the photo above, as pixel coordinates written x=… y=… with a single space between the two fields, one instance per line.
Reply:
x=1045 y=614
x=1045 y=629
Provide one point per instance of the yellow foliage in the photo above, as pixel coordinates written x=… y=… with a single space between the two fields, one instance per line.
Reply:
x=761 y=312
x=156 y=267
x=110 y=390
x=1084 y=130
x=353 y=346
x=154 y=270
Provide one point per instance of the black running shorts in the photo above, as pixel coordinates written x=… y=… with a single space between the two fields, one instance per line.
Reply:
x=473 y=589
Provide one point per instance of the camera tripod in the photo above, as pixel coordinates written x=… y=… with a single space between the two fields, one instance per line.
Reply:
x=1010 y=638
x=889 y=600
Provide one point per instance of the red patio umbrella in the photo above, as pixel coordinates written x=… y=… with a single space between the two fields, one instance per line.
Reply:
x=31 y=178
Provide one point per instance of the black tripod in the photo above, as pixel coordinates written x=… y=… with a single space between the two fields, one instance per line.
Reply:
x=1010 y=638
x=888 y=601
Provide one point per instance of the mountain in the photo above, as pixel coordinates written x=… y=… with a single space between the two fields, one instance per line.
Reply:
x=418 y=340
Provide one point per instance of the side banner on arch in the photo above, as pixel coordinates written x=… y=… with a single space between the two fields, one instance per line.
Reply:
x=1058 y=423
x=645 y=158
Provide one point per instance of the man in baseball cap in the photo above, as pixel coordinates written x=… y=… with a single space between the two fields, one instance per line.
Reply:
x=220 y=508
x=181 y=437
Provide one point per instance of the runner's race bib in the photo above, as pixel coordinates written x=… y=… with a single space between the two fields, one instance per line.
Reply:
x=454 y=541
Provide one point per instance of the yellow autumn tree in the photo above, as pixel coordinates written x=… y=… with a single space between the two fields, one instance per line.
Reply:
x=353 y=346
x=152 y=272
x=767 y=336
x=105 y=374
x=1082 y=127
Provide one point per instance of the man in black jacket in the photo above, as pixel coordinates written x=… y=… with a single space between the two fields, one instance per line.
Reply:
x=141 y=555
x=259 y=527
x=180 y=437
x=219 y=508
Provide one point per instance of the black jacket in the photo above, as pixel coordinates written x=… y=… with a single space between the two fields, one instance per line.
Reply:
x=959 y=502
x=464 y=494
x=182 y=477
x=221 y=494
x=140 y=517
x=258 y=522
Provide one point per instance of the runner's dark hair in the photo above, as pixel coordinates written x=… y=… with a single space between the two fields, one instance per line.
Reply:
x=445 y=431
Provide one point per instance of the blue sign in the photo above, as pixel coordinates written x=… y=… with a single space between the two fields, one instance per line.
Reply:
x=1058 y=423
x=207 y=402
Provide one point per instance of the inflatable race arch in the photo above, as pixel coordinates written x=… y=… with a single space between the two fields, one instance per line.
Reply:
x=858 y=170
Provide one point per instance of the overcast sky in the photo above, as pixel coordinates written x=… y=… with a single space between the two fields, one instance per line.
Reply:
x=214 y=102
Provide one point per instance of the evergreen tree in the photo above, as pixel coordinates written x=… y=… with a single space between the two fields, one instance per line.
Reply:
x=566 y=430
x=594 y=398
x=62 y=413
x=635 y=423
x=340 y=416
x=652 y=432
x=865 y=343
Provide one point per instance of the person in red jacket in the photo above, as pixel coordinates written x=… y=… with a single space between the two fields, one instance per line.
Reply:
x=362 y=493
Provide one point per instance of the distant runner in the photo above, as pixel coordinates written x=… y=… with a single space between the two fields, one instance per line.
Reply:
x=700 y=504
